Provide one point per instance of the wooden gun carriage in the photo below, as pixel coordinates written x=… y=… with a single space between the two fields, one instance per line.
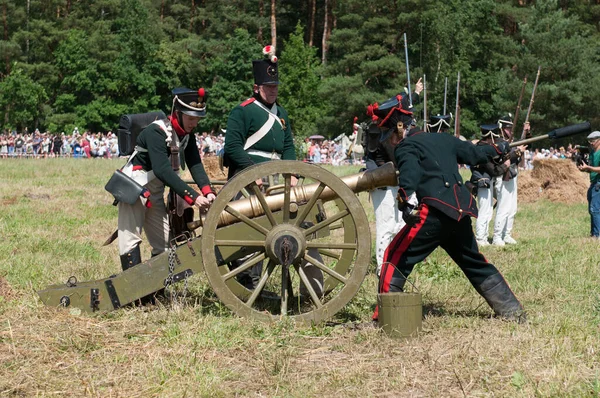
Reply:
x=283 y=228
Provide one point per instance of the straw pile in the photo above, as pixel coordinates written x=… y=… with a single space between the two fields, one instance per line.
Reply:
x=556 y=180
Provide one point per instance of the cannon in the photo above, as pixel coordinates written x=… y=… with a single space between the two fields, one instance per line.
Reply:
x=318 y=224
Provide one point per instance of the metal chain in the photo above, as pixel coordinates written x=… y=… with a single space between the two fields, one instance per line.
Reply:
x=169 y=279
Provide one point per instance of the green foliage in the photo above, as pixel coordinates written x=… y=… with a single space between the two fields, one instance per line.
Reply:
x=300 y=72
x=230 y=67
x=21 y=98
x=95 y=60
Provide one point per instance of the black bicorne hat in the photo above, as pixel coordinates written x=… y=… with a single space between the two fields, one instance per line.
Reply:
x=438 y=122
x=265 y=70
x=188 y=101
x=489 y=130
x=505 y=121
x=392 y=111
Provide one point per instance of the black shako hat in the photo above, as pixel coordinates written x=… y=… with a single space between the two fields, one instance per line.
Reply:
x=265 y=71
x=188 y=101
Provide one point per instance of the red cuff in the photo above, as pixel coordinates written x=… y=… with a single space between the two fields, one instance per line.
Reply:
x=190 y=201
x=402 y=194
x=207 y=189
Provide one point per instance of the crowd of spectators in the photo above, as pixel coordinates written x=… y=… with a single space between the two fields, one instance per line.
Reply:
x=80 y=145
x=335 y=152
x=48 y=145
x=105 y=145
x=553 y=153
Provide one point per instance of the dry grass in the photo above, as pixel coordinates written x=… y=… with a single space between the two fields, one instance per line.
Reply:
x=198 y=348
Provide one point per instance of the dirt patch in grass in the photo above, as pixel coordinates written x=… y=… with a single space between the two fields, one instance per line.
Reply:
x=555 y=180
x=5 y=290
x=211 y=165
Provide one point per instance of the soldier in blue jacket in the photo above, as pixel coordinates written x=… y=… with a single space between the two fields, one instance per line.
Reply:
x=428 y=165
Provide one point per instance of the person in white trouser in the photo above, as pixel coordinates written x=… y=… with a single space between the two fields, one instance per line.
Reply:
x=483 y=179
x=506 y=189
x=379 y=150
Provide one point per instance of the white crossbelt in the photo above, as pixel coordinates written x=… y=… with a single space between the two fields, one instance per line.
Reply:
x=264 y=154
x=260 y=133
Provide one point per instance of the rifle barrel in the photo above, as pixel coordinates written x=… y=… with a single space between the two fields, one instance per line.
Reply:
x=445 y=92
x=424 y=102
x=457 y=116
x=516 y=119
x=537 y=77
x=407 y=71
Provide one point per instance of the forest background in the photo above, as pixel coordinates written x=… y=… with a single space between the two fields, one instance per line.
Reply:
x=67 y=63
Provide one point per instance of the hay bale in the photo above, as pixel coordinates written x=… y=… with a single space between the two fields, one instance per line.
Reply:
x=556 y=180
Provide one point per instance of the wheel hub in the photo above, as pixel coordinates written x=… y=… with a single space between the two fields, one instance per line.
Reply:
x=285 y=244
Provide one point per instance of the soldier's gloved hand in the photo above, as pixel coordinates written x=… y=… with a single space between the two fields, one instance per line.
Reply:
x=211 y=197
x=410 y=214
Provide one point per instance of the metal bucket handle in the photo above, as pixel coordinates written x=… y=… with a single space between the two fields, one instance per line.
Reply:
x=384 y=271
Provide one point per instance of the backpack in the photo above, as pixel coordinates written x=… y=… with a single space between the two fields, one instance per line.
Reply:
x=130 y=126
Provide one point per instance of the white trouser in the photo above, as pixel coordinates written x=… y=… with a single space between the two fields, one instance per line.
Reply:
x=513 y=211
x=485 y=200
x=506 y=192
x=153 y=220
x=388 y=220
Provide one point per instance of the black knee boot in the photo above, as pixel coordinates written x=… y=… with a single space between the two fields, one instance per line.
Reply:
x=131 y=258
x=397 y=284
x=498 y=295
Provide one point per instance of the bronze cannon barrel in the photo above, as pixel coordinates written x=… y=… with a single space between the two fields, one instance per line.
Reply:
x=251 y=206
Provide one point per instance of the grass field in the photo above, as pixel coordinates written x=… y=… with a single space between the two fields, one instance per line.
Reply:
x=55 y=214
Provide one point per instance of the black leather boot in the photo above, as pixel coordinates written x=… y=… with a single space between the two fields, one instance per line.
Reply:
x=498 y=295
x=131 y=258
x=397 y=284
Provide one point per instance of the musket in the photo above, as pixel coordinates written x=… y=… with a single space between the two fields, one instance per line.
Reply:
x=407 y=72
x=445 y=92
x=424 y=102
x=557 y=133
x=516 y=118
x=531 y=102
x=457 y=110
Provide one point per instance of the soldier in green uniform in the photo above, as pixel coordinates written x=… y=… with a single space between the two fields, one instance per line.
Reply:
x=152 y=166
x=259 y=129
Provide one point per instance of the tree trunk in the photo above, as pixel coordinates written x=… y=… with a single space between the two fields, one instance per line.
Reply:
x=273 y=24
x=162 y=10
x=192 y=15
x=5 y=24
x=312 y=5
x=261 y=14
x=27 y=28
x=325 y=33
